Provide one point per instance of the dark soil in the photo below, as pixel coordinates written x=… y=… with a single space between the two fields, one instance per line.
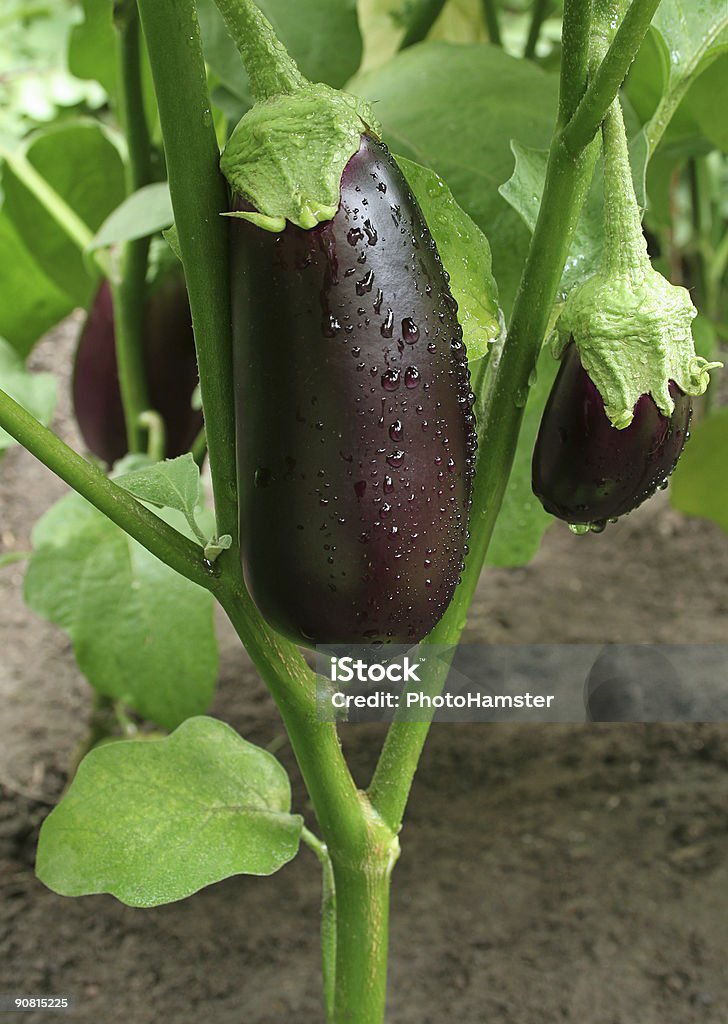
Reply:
x=548 y=873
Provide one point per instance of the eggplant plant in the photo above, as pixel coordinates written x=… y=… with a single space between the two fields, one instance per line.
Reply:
x=364 y=401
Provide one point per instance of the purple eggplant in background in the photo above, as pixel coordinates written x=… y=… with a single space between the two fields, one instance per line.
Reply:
x=169 y=353
x=586 y=471
x=356 y=437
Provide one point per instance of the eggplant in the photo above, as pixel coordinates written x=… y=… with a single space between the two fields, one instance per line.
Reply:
x=586 y=471
x=355 y=429
x=171 y=365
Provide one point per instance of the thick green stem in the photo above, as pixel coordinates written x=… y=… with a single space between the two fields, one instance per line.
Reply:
x=121 y=507
x=129 y=287
x=362 y=933
x=625 y=246
x=270 y=69
x=199 y=197
x=540 y=11
x=575 y=56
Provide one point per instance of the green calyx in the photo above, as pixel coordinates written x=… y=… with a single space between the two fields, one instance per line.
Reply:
x=631 y=326
x=288 y=153
x=634 y=337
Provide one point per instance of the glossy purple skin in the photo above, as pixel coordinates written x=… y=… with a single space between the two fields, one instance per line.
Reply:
x=355 y=433
x=171 y=365
x=585 y=471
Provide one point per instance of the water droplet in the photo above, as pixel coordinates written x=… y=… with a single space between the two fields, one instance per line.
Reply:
x=395 y=431
x=261 y=477
x=354 y=236
x=390 y=380
x=387 y=328
x=378 y=301
x=382 y=187
x=330 y=327
x=365 y=285
x=411 y=377
x=371 y=232
x=432 y=347
x=388 y=485
x=396 y=213
x=580 y=529
x=396 y=458
x=410 y=330
x=384 y=510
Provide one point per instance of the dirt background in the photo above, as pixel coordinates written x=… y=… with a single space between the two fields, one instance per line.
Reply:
x=548 y=873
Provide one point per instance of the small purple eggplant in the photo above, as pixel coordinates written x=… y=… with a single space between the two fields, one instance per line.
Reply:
x=586 y=471
x=169 y=354
x=356 y=438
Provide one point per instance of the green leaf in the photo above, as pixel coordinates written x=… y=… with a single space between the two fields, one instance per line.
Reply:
x=174 y=483
x=322 y=36
x=153 y=822
x=455 y=108
x=83 y=166
x=523 y=191
x=707 y=102
x=522 y=521
x=36 y=392
x=699 y=485
x=693 y=35
x=140 y=632
x=30 y=303
x=144 y=212
x=92 y=48
x=465 y=254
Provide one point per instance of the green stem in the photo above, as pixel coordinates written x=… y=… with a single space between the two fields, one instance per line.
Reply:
x=362 y=902
x=568 y=177
x=199 y=197
x=540 y=10
x=490 y=13
x=575 y=55
x=625 y=246
x=612 y=70
x=270 y=69
x=121 y=507
x=129 y=288
x=426 y=15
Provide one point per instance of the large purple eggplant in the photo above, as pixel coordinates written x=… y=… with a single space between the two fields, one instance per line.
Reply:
x=585 y=471
x=169 y=355
x=356 y=437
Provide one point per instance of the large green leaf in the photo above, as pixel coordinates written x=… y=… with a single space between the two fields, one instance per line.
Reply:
x=36 y=392
x=455 y=109
x=322 y=36
x=92 y=47
x=30 y=303
x=154 y=821
x=141 y=633
x=83 y=166
x=465 y=255
x=699 y=485
x=687 y=36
